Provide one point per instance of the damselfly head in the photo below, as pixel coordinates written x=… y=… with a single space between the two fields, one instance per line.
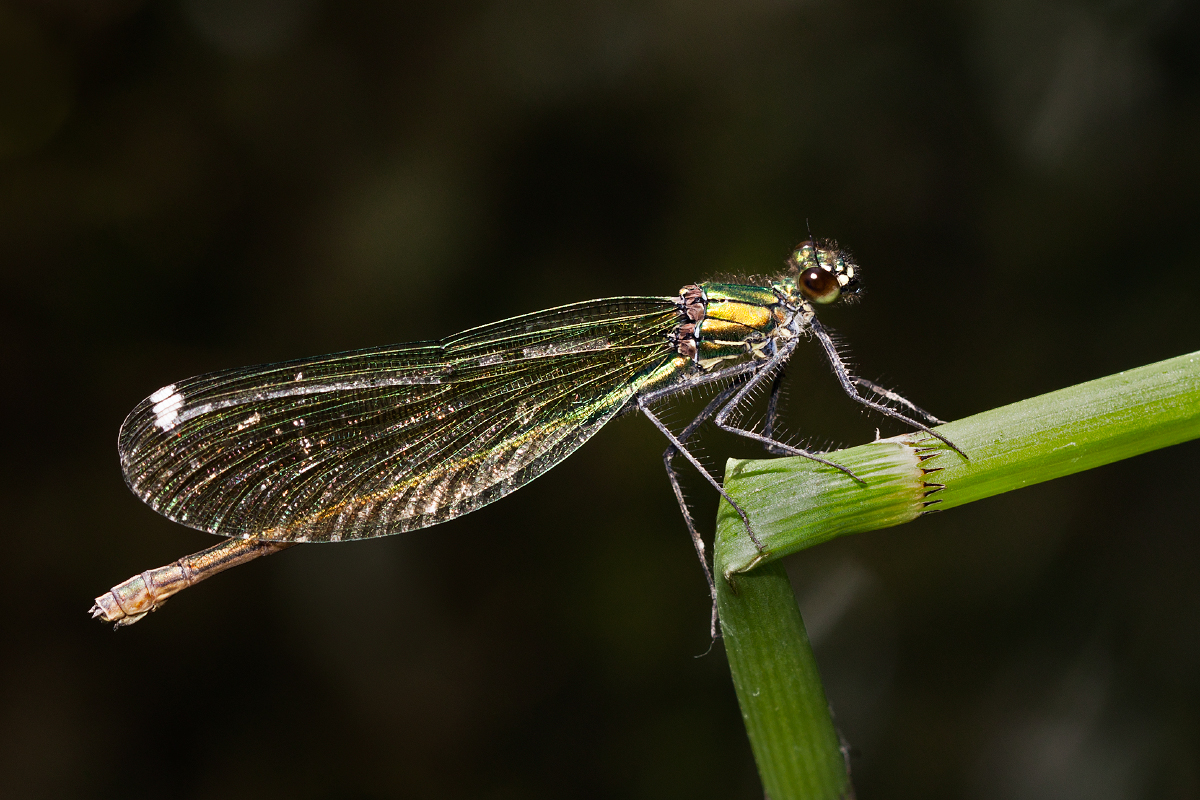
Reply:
x=822 y=273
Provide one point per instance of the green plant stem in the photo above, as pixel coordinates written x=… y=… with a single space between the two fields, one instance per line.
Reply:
x=775 y=675
x=794 y=503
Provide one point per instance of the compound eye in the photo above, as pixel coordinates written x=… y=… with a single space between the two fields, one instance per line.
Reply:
x=819 y=285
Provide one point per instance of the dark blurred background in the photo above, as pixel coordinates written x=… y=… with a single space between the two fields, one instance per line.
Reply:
x=187 y=186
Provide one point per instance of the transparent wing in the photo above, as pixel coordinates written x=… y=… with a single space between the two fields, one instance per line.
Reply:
x=378 y=441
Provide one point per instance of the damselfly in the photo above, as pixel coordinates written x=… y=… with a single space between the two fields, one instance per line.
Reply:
x=373 y=442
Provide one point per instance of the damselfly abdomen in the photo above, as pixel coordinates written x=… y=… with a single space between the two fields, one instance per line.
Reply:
x=372 y=442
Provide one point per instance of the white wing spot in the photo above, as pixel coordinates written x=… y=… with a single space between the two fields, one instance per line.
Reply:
x=162 y=394
x=166 y=407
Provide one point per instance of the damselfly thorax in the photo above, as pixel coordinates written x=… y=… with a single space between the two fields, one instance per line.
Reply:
x=373 y=442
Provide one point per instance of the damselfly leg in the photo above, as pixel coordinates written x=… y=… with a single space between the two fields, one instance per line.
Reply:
x=722 y=419
x=773 y=411
x=849 y=387
x=896 y=398
x=669 y=457
x=716 y=484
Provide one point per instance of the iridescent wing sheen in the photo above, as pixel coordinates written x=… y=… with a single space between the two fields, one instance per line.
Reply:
x=379 y=441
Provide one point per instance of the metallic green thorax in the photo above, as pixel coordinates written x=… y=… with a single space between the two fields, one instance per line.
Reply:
x=724 y=325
